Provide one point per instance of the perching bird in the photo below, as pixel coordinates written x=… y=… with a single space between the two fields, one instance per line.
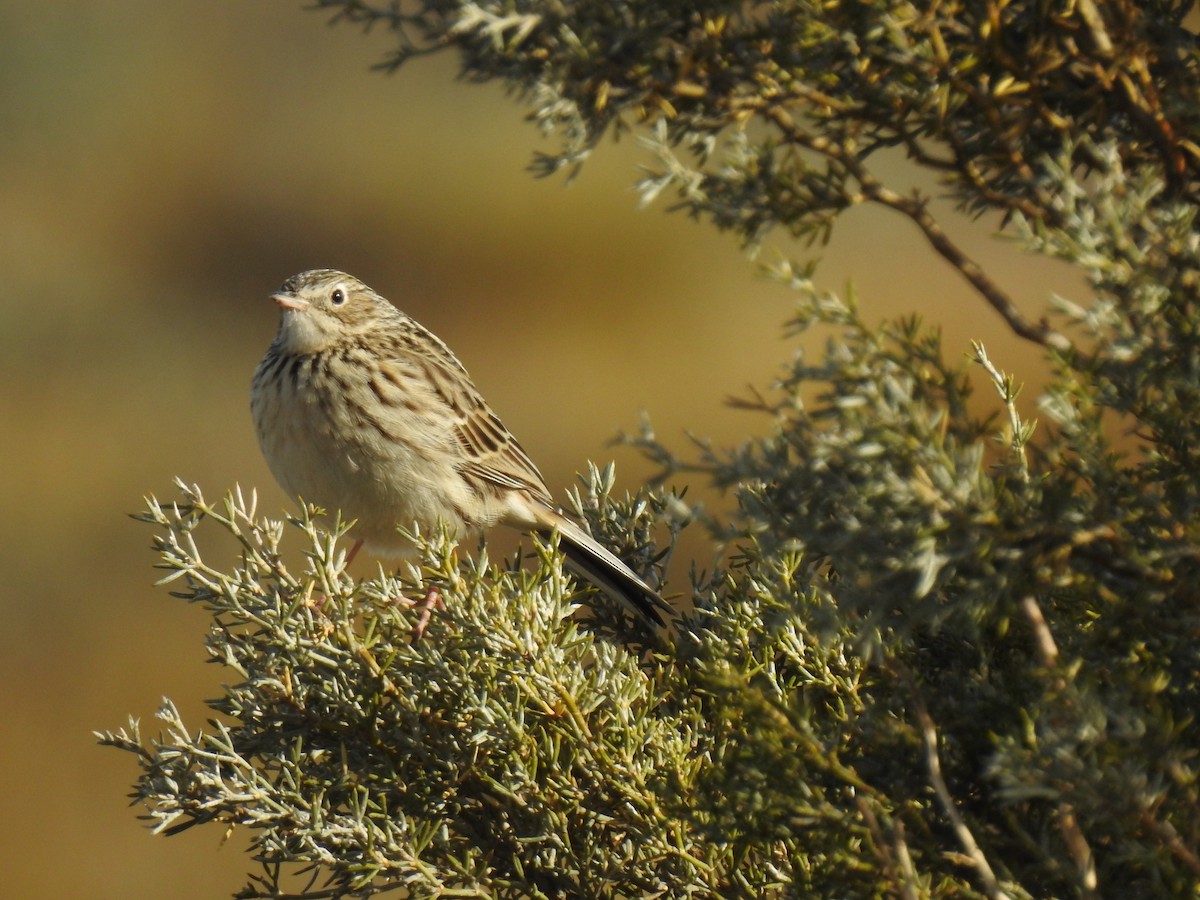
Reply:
x=358 y=408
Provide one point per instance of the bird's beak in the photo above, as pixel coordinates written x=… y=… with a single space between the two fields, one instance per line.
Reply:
x=290 y=301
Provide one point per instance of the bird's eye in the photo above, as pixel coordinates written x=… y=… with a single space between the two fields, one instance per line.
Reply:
x=338 y=297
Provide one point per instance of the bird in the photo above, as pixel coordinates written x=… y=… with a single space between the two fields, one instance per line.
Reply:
x=360 y=409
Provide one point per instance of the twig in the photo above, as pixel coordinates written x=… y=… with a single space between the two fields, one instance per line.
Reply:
x=1068 y=822
x=1004 y=388
x=930 y=738
x=1095 y=23
x=904 y=876
x=1043 y=639
x=1168 y=835
x=916 y=209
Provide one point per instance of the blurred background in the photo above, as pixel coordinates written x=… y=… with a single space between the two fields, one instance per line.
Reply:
x=163 y=167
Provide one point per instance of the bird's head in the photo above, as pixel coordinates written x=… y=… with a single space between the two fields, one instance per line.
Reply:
x=323 y=307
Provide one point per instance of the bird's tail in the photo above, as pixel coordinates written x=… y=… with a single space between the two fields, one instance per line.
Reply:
x=588 y=559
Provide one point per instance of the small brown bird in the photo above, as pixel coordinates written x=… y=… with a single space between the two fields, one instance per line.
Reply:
x=358 y=408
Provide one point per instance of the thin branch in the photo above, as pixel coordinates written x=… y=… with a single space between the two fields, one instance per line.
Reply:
x=1068 y=822
x=966 y=168
x=1080 y=850
x=916 y=209
x=899 y=867
x=1043 y=639
x=933 y=760
x=1004 y=388
x=1166 y=833
x=1095 y=23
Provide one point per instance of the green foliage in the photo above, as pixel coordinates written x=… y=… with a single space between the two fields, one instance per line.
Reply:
x=949 y=654
x=507 y=753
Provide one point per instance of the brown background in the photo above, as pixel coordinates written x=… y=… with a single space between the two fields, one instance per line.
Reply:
x=163 y=167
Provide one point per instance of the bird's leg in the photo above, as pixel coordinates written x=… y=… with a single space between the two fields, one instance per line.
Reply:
x=433 y=597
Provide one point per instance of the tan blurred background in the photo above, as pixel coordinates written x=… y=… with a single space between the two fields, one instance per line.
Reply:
x=163 y=167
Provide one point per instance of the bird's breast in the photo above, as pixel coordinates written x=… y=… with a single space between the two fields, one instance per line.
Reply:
x=337 y=433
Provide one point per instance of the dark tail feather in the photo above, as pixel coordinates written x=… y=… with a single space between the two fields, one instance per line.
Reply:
x=587 y=558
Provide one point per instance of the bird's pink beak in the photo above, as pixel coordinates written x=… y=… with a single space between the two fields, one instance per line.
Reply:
x=290 y=301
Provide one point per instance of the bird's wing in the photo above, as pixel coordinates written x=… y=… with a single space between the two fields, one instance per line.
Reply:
x=489 y=455
x=492 y=460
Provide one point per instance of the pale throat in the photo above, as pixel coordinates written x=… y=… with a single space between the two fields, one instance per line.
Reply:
x=303 y=334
